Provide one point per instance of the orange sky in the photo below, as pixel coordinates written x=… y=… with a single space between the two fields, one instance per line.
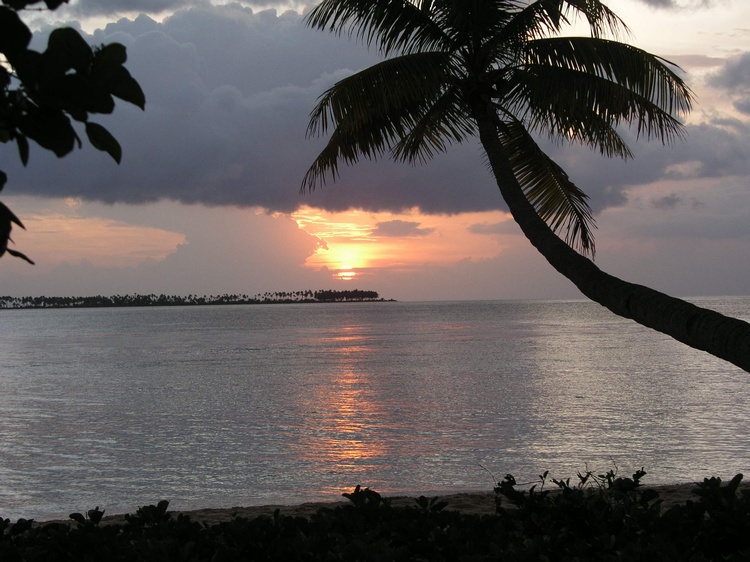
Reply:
x=356 y=243
x=56 y=232
x=682 y=229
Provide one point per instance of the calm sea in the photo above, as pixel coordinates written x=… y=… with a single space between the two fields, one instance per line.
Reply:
x=247 y=405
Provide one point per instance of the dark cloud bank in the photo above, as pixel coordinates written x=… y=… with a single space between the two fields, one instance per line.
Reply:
x=86 y=8
x=229 y=91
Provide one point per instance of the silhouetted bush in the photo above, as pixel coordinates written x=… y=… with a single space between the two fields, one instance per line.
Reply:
x=600 y=518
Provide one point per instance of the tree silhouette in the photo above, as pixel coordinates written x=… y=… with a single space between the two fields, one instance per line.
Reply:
x=42 y=93
x=501 y=71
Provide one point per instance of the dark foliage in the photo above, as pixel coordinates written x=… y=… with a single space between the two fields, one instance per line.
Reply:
x=601 y=518
x=42 y=94
x=282 y=297
x=353 y=295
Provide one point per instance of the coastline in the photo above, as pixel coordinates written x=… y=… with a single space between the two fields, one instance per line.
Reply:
x=478 y=503
x=598 y=525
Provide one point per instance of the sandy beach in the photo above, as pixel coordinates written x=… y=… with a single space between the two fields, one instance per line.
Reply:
x=469 y=502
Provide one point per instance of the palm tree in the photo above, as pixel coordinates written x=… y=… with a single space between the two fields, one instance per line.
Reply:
x=500 y=70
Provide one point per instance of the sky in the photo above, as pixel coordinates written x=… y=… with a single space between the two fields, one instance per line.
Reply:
x=207 y=197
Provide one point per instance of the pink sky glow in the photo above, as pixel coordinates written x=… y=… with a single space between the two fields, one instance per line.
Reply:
x=206 y=200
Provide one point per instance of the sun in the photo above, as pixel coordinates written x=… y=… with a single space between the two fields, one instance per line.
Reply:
x=346 y=273
x=357 y=245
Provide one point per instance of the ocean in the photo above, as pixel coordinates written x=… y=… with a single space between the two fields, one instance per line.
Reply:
x=221 y=406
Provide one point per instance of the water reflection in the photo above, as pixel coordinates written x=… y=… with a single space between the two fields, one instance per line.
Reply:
x=223 y=406
x=351 y=415
x=346 y=411
x=629 y=400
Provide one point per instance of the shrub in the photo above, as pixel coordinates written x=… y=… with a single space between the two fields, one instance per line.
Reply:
x=601 y=517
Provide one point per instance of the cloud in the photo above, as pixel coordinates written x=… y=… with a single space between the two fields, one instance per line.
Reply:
x=105 y=242
x=690 y=210
x=697 y=61
x=400 y=229
x=659 y=3
x=734 y=78
x=734 y=75
x=111 y=7
x=670 y=201
x=229 y=92
x=504 y=227
x=679 y=4
x=742 y=105
x=717 y=147
x=197 y=250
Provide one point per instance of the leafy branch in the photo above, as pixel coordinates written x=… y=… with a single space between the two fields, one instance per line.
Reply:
x=44 y=93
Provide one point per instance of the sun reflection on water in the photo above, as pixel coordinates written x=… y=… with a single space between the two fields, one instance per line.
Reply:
x=343 y=435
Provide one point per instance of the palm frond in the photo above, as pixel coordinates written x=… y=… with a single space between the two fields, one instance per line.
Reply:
x=379 y=91
x=469 y=23
x=339 y=147
x=392 y=25
x=548 y=17
x=565 y=115
x=601 y=20
x=373 y=110
x=443 y=122
x=557 y=200
x=583 y=89
x=532 y=21
x=647 y=75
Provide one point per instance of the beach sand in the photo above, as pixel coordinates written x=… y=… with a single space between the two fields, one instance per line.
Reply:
x=469 y=502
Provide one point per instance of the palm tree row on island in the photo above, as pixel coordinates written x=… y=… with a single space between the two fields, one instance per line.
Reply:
x=500 y=70
x=136 y=300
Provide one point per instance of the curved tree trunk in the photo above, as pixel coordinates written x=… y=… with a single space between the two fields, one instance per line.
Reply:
x=719 y=335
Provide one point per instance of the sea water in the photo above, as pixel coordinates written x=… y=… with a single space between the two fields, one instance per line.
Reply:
x=220 y=406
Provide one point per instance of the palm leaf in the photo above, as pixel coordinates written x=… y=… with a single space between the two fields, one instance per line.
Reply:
x=327 y=162
x=443 y=122
x=600 y=18
x=646 y=75
x=557 y=200
x=18 y=254
x=392 y=25
x=562 y=114
x=545 y=17
x=582 y=89
x=7 y=216
x=373 y=110
x=471 y=22
x=375 y=93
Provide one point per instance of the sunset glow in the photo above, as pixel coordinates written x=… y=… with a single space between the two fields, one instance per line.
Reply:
x=354 y=244
x=211 y=204
x=346 y=273
x=53 y=237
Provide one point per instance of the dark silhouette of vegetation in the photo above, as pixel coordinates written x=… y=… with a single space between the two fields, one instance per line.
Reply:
x=43 y=92
x=354 y=295
x=502 y=72
x=615 y=519
x=280 y=297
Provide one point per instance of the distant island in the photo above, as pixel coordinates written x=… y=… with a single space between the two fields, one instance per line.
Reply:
x=279 y=297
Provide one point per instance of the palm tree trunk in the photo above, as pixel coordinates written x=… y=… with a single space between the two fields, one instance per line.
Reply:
x=725 y=337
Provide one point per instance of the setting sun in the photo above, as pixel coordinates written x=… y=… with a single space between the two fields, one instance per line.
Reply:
x=355 y=244
x=346 y=273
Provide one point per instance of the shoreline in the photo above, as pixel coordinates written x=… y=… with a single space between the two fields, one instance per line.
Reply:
x=477 y=503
